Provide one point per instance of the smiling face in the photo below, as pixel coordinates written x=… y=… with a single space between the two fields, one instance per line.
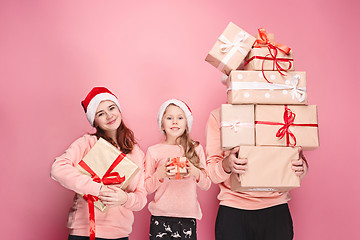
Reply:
x=173 y=123
x=107 y=117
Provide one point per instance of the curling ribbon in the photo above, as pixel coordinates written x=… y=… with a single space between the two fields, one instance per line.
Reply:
x=284 y=131
x=176 y=162
x=263 y=41
x=108 y=179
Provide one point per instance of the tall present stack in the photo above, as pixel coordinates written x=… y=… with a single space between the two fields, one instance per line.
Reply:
x=267 y=113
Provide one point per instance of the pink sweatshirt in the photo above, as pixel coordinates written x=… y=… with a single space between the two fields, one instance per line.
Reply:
x=117 y=221
x=215 y=155
x=173 y=198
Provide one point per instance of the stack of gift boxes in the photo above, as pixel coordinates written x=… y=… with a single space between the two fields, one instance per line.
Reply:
x=266 y=114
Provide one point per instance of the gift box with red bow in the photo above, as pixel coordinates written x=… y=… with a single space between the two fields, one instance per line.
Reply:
x=180 y=167
x=107 y=165
x=286 y=125
x=268 y=55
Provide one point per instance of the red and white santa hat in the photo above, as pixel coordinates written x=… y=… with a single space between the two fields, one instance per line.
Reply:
x=93 y=99
x=180 y=104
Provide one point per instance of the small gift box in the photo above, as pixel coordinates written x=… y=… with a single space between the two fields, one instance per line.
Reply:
x=265 y=59
x=268 y=169
x=283 y=125
x=268 y=55
x=180 y=163
x=230 y=49
x=107 y=165
x=237 y=125
x=250 y=87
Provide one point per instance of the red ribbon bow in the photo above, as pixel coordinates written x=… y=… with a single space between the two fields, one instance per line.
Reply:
x=284 y=131
x=176 y=162
x=263 y=41
x=108 y=179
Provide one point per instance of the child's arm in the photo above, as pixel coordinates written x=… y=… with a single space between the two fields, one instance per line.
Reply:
x=152 y=178
x=64 y=171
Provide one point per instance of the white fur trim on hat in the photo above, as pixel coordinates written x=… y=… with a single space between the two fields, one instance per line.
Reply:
x=94 y=103
x=180 y=104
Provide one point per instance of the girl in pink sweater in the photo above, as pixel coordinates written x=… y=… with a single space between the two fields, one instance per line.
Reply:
x=103 y=112
x=175 y=207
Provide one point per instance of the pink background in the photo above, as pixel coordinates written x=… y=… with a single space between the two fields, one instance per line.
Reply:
x=53 y=52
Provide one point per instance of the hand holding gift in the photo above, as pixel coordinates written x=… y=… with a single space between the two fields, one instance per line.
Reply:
x=300 y=165
x=192 y=171
x=112 y=195
x=233 y=164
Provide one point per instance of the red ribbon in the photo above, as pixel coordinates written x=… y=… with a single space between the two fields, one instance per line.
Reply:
x=284 y=131
x=176 y=162
x=108 y=179
x=263 y=41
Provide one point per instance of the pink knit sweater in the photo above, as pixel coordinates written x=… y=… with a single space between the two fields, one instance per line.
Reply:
x=173 y=198
x=215 y=155
x=117 y=221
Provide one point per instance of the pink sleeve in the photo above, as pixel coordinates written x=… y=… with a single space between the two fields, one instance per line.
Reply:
x=204 y=182
x=64 y=171
x=136 y=189
x=215 y=155
x=151 y=180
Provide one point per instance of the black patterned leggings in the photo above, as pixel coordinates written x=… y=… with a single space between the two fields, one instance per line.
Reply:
x=169 y=228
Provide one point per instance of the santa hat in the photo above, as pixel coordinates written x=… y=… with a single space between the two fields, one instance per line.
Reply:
x=93 y=99
x=180 y=104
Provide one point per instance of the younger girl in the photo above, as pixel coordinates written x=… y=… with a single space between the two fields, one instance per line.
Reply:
x=175 y=207
x=103 y=112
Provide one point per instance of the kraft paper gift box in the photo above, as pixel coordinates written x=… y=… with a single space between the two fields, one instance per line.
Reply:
x=237 y=125
x=263 y=59
x=250 y=87
x=230 y=49
x=268 y=169
x=107 y=162
x=180 y=170
x=286 y=125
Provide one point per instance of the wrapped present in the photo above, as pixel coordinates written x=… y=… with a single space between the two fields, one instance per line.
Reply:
x=283 y=125
x=269 y=55
x=265 y=59
x=230 y=49
x=180 y=170
x=237 y=125
x=268 y=169
x=250 y=87
x=107 y=165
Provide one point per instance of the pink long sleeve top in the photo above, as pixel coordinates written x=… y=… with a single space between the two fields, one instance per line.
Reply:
x=173 y=198
x=115 y=222
x=215 y=156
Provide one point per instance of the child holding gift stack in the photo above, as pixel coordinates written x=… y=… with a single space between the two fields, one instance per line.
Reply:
x=175 y=207
x=246 y=215
x=103 y=112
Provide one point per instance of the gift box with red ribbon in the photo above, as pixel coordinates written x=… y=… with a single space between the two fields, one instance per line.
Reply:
x=286 y=125
x=268 y=169
x=230 y=49
x=237 y=125
x=250 y=87
x=180 y=167
x=268 y=55
x=107 y=165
